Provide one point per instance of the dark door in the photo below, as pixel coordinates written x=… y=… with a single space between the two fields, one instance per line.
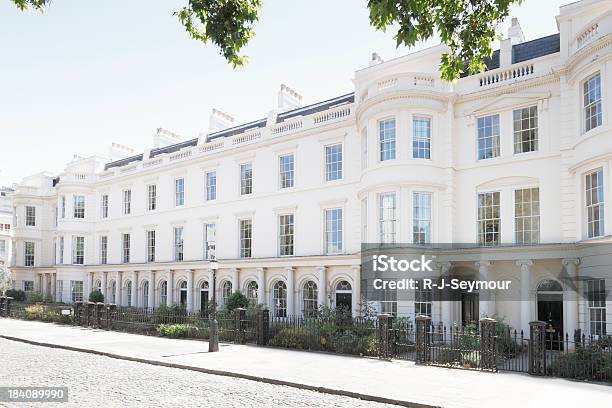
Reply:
x=183 y=297
x=344 y=301
x=550 y=311
x=469 y=308
x=204 y=302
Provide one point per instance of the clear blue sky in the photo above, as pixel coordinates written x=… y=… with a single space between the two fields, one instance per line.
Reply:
x=89 y=72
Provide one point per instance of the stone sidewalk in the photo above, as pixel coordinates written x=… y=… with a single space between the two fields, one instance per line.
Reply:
x=396 y=381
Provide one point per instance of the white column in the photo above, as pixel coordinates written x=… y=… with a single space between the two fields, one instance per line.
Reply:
x=485 y=304
x=571 y=298
x=356 y=289
x=135 y=290
x=45 y=285
x=170 y=287
x=152 y=289
x=235 y=282
x=190 y=290
x=118 y=284
x=261 y=286
x=446 y=305
x=105 y=286
x=526 y=303
x=322 y=295
x=53 y=286
x=89 y=285
x=290 y=290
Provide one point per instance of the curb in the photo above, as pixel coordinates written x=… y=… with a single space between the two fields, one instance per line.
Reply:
x=324 y=390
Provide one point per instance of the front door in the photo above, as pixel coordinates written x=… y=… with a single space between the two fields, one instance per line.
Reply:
x=550 y=311
x=469 y=308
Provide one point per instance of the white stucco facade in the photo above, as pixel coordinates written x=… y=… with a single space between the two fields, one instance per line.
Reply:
x=440 y=148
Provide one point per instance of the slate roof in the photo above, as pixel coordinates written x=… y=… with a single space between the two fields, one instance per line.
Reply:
x=525 y=51
x=316 y=107
x=236 y=129
x=123 y=162
x=172 y=148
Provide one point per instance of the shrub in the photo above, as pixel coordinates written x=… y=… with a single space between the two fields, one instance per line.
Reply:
x=236 y=300
x=96 y=296
x=42 y=312
x=36 y=297
x=590 y=362
x=291 y=338
x=16 y=294
x=169 y=314
x=176 y=330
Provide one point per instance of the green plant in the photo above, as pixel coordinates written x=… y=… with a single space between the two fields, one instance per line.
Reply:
x=36 y=297
x=42 y=312
x=590 y=362
x=96 y=296
x=293 y=338
x=169 y=314
x=16 y=294
x=236 y=300
x=175 y=330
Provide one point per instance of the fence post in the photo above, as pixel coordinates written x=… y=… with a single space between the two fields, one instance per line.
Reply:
x=423 y=339
x=98 y=315
x=488 y=344
x=110 y=310
x=239 y=325
x=384 y=336
x=2 y=302
x=89 y=311
x=263 y=327
x=577 y=338
x=537 y=348
x=78 y=312
x=7 y=306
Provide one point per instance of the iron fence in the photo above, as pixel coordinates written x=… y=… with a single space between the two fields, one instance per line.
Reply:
x=339 y=334
x=580 y=357
x=512 y=350
x=458 y=347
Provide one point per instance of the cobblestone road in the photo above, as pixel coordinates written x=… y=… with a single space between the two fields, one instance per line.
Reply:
x=96 y=381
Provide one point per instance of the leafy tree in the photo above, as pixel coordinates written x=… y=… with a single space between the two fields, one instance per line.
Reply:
x=467 y=27
x=5 y=279
x=96 y=296
x=236 y=300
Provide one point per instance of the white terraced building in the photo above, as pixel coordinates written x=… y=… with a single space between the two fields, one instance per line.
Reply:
x=517 y=159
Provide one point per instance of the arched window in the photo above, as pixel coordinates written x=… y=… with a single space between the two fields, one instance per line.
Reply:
x=98 y=286
x=145 y=294
x=113 y=288
x=163 y=293
x=309 y=299
x=204 y=306
x=226 y=291
x=344 y=296
x=128 y=288
x=183 y=293
x=279 y=299
x=549 y=285
x=251 y=293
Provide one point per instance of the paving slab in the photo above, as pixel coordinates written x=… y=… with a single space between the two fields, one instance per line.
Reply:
x=386 y=381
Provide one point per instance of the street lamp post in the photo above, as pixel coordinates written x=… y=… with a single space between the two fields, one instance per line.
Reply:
x=213 y=342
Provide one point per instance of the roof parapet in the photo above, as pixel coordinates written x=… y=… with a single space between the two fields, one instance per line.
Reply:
x=164 y=137
x=118 y=151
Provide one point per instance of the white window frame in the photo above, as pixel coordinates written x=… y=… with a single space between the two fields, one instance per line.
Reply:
x=76 y=291
x=591 y=207
x=334 y=162
x=480 y=222
x=595 y=302
x=179 y=192
x=423 y=144
x=387 y=139
x=30 y=216
x=103 y=249
x=422 y=216
x=151 y=197
x=78 y=250
x=104 y=206
x=179 y=243
x=127 y=201
x=328 y=244
x=384 y=236
x=246 y=178
x=151 y=237
x=29 y=257
x=126 y=238
x=209 y=245
x=529 y=212
x=78 y=209
x=245 y=252
x=597 y=104
x=532 y=129
x=284 y=248
x=211 y=185
x=286 y=171
x=495 y=137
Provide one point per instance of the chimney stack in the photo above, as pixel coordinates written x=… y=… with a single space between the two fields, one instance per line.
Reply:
x=219 y=121
x=164 y=137
x=515 y=33
x=118 y=151
x=515 y=36
x=288 y=99
x=375 y=59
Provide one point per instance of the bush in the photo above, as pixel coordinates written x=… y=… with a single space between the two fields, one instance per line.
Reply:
x=169 y=314
x=36 y=297
x=44 y=313
x=176 y=330
x=590 y=362
x=236 y=300
x=17 y=295
x=291 y=338
x=96 y=296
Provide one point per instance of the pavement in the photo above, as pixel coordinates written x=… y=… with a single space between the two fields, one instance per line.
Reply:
x=396 y=382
